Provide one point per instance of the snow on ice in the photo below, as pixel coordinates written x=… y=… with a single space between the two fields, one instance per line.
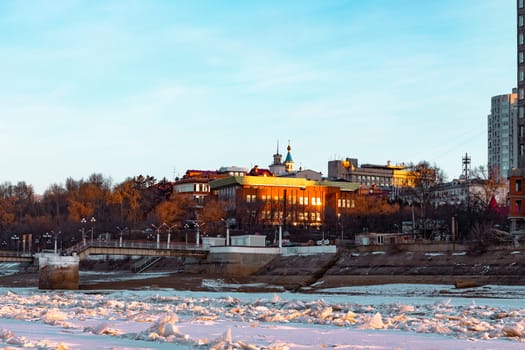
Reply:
x=378 y=317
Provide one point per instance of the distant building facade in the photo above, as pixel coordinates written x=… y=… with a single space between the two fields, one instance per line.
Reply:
x=195 y=183
x=502 y=125
x=458 y=193
x=384 y=177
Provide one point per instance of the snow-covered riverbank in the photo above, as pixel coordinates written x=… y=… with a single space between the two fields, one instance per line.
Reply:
x=379 y=317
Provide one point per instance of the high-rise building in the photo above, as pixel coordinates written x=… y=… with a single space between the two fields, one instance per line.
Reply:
x=521 y=83
x=517 y=175
x=502 y=143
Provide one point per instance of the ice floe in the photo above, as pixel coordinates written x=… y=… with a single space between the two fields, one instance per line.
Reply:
x=382 y=316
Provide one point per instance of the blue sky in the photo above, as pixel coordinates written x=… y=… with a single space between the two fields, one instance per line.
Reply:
x=158 y=87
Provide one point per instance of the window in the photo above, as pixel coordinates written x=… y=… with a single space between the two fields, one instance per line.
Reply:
x=521 y=112
x=380 y=239
x=520 y=4
x=522 y=149
x=521 y=57
x=518 y=185
x=521 y=93
x=521 y=74
x=520 y=38
x=520 y=20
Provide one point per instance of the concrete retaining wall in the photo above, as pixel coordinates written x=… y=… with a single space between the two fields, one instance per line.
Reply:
x=230 y=263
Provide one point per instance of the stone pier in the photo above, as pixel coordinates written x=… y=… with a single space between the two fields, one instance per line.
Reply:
x=57 y=272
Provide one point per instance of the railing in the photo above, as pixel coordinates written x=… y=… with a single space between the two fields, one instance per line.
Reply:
x=12 y=253
x=144 y=264
x=135 y=245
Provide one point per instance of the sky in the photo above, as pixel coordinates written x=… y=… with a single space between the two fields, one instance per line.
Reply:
x=123 y=88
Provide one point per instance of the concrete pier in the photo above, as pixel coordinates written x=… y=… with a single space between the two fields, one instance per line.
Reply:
x=57 y=272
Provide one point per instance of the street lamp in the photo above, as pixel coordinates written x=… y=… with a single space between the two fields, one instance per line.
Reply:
x=83 y=222
x=186 y=227
x=157 y=228
x=47 y=237
x=121 y=230
x=169 y=233
x=197 y=239
x=227 y=231
x=16 y=238
x=93 y=220
x=56 y=237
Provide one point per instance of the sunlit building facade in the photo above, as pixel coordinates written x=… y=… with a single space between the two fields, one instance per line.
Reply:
x=502 y=123
x=385 y=177
x=272 y=201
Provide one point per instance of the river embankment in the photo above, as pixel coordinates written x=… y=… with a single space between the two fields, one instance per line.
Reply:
x=348 y=267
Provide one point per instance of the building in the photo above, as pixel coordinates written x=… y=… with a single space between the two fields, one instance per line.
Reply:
x=458 y=193
x=273 y=200
x=502 y=123
x=385 y=177
x=517 y=175
x=278 y=167
x=286 y=168
x=195 y=182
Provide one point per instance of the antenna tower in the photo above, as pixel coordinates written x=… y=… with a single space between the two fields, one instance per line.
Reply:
x=466 y=166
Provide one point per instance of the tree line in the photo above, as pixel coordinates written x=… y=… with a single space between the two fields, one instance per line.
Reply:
x=142 y=203
x=132 y=206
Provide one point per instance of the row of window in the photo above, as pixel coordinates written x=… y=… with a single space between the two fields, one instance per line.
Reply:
x=370 y=180
x=299 y=216
x=251 y=198
x=346 y=203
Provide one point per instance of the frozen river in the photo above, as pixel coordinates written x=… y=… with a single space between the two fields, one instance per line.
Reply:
x=372 y=317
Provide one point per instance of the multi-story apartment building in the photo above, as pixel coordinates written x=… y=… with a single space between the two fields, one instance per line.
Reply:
x=517 y=175
x=502 y=123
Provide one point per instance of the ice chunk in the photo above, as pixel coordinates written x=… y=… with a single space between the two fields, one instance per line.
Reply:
x=374 y=322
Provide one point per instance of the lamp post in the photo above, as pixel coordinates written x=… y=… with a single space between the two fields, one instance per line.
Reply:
x=169 y=234
x=56 y=238
x=16 y=239
x=46 y=237
x=120 y=231
x=186 y=227
x=197 y=239
x=157 y=228
x=83 y=222
x=227 y=231
x=93 y=220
